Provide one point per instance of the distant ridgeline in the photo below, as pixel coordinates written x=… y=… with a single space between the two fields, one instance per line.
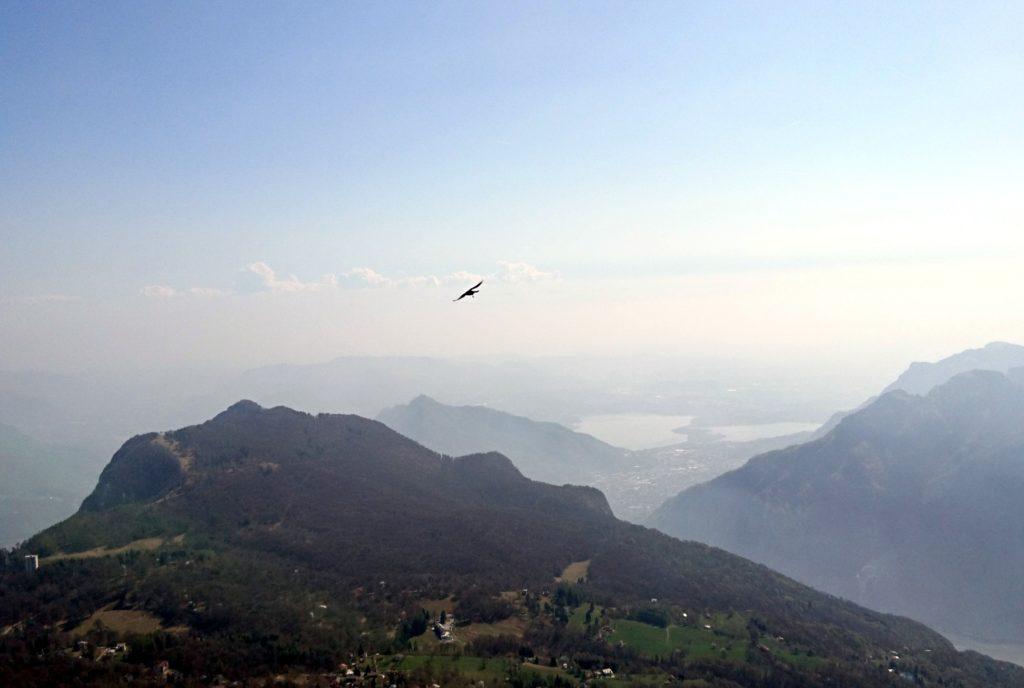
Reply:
x=267 y=542
x=635 y=482
x=911 y=504
x=542 y=451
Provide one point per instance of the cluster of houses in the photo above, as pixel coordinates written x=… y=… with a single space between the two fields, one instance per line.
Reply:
x=83 y=649
x=367 y=675
x=98 y=653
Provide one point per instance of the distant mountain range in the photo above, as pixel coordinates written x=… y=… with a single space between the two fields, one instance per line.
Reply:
x=99 y=411
x=635 y=482
x=268 y=541
x=543 y=451
x=92 y=414
x=921 y=378
x=911 y=504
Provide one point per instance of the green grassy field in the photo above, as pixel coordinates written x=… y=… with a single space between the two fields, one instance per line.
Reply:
x=477 y=668
x=120 y=620
x=474 y=667
x=790 y=655
x=626 y=681
x=727 y=639
x=695 y=642
x=578 y=618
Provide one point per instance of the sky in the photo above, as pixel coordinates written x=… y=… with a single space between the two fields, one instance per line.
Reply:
x=209 y=184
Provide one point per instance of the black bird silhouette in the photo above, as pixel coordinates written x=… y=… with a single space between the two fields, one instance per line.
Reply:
x=471 y=291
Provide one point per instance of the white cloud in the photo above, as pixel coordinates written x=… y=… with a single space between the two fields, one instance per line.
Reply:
x=260 y=277
x=159 y=291
x=369 y=276
x=508 y=271
x=423 y=281
x=162 y=291
x=463 y=276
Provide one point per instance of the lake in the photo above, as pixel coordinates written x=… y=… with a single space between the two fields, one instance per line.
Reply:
x=650 y=430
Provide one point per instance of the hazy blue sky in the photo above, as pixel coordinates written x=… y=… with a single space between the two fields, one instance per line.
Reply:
x=257 y=182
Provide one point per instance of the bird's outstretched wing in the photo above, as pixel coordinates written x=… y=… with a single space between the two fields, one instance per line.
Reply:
x=470 y=291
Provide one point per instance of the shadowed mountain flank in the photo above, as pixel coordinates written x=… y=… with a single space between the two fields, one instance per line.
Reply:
x=911 y=505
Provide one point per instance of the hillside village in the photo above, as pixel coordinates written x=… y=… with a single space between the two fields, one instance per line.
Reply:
x=448 y=652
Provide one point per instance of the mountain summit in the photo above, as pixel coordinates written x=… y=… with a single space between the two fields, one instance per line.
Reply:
x=921 y=378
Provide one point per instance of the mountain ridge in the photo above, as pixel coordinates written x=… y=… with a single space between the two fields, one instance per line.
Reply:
x=633 y=481
x=921 y=377
x=925 y=488
x=543 y=450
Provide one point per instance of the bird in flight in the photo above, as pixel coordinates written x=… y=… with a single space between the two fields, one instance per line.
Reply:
x=471 y=291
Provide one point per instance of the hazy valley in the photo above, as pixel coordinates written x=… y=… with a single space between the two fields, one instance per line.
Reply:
x=634 y=481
